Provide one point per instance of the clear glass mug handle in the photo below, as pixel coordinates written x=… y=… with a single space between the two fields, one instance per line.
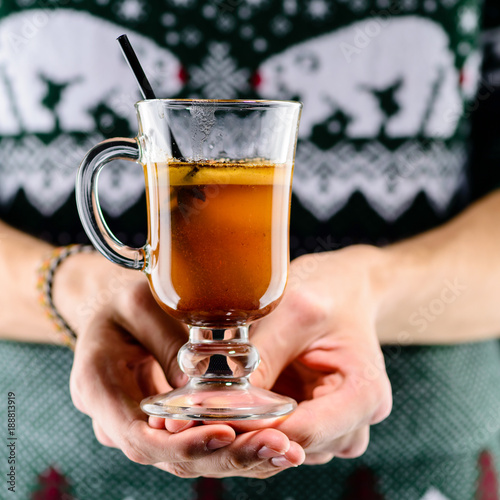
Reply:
x=87 y=201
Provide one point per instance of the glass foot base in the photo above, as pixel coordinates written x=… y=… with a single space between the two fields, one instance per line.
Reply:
x=218 y=399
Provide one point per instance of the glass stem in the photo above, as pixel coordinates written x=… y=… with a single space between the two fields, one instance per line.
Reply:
x=218 y=354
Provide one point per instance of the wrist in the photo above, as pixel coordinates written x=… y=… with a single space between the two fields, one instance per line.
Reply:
x=381 y=270
x=400 y=280
x=46 y=273
x=369 y=270
x=84 y=284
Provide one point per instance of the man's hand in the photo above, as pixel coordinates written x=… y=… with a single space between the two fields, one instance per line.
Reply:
x=127 y=352
x=320 y=347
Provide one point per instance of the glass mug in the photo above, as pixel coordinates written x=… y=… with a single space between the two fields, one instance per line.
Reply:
x=218 y=184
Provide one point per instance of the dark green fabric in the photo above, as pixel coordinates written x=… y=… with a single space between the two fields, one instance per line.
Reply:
x=446 y=407
x=51 y=432
x=218 y=28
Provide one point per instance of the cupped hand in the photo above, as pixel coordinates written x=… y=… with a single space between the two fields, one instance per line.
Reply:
x=320 y=347
x=127 y=351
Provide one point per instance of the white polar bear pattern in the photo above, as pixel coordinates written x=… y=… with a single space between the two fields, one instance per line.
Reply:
x=340 y=70
x=64 y=42
x=337 y=72
x=61 y=45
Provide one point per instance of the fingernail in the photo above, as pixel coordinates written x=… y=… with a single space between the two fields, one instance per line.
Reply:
x=215 y=444
x=281 y=462
x=266 y=452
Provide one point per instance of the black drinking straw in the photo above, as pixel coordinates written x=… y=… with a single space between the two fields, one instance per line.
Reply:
x=144 y=85
x=131 y=58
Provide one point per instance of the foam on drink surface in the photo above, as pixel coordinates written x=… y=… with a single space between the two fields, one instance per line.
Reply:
x=245 y=172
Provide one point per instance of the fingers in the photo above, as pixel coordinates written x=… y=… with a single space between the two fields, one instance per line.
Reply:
x=335 y=423
x=101 y=436
x=200 y=452
x=352 y=445
x=119 y=422
x=151 y=379
x=147 y=446
x=208 y=450
x=178 y=425
x=110 y=374
x=285 y=333
x=260 y=454
x=254 y=454
x=173 y=425
x=318 y=458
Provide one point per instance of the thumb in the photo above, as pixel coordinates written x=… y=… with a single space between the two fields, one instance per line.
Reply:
x=164 y=346
x=168 y=358
x=280 y=338
x=159 y=334
x=274 y=354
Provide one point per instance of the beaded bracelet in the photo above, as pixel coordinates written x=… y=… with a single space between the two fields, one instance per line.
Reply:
x=44 y=286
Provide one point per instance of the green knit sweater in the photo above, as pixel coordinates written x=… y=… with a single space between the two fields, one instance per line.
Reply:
x=381 y=156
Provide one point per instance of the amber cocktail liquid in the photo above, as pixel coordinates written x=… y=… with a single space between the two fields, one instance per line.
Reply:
x=216 y=256
x=219 y=254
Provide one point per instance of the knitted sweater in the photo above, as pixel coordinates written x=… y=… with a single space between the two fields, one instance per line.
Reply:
x=382 y=155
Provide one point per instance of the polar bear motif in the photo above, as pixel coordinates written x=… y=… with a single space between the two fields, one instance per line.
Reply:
x=345 y=70
x=60 y=46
